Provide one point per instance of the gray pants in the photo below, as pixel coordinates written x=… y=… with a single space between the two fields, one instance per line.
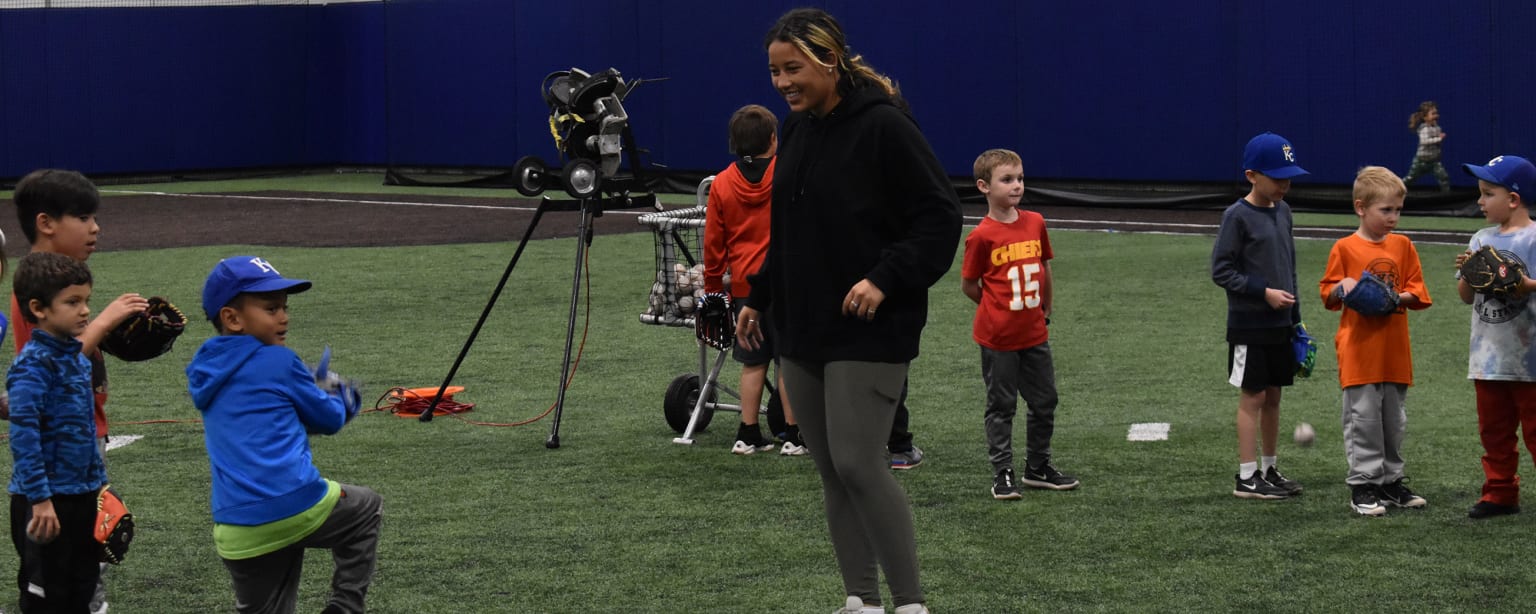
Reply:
x=1009 y=375
x=269 y=584
x=1374 y=424
x=845 y=410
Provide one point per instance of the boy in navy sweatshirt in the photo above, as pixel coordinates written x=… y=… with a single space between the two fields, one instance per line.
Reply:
x=259 y=404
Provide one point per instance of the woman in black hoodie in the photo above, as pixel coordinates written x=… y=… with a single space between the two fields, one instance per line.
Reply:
x=864 y=221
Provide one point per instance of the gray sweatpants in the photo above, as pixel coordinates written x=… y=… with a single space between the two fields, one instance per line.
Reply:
x=1029 y=373
x=845 y=409
x=269 y=584
x=1375 y=422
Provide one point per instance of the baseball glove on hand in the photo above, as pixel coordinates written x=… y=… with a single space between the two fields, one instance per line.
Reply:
x=147 y=334
x=114 y=526
x=348 y=390
x=1306 y=351
x=1372 y=296
x=1489 y=272
x=713 y=323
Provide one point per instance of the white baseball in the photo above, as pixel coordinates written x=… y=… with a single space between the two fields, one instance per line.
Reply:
x=1305 y=435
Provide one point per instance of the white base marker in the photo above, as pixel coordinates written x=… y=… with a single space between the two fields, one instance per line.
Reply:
x=1148 y=431
x=117 y=441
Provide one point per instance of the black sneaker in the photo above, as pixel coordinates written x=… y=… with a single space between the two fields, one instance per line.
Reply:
x=1362 y=498
x=1003 y=487
x=1046 y=476
x=1489 y=509
x=1256 y=488
x=1290 y=486
x=1397 y=495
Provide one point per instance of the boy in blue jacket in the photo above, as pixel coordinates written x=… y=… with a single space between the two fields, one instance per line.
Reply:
x=56 y=467
x=259 y=404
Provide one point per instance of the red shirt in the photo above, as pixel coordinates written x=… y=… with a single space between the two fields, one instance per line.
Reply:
x=1009 y=260
x=736 y=229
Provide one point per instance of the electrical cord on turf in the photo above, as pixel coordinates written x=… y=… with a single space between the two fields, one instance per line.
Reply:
x=406 y=403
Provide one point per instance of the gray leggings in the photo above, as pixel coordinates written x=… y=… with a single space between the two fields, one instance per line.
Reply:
x=845 y=410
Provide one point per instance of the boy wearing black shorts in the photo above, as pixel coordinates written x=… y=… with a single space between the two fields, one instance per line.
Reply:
x=1254 y=260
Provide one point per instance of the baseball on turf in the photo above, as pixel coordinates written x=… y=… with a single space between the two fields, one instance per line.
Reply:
x=1305 y=435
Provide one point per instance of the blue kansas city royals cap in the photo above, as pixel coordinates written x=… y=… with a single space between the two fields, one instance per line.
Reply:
x=1513 y=172
x=1272 y=155
x=237 y=274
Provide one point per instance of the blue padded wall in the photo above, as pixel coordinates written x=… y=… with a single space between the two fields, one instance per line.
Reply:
x=1093 y=90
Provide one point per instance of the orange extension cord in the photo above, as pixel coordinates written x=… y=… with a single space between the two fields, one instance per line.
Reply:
x=411 y=402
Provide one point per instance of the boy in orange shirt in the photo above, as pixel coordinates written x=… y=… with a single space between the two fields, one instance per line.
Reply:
x=1375 y=360
x=735 y=242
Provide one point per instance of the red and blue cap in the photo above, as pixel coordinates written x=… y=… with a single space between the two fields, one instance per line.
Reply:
x=1271 y=155
x=238 y=274
x=1515 y=173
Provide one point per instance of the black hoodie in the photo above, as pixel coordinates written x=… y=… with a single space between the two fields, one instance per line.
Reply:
x=857 y=194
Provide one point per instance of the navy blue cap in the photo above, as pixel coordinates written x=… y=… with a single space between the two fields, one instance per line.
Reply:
x=1273 y=156
x=237 y=274
x=1515 y=173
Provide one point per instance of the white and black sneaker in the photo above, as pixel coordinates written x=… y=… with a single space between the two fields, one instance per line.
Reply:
x=1290 y=486
x=1255 y=487
x=1398 y=495
x=1046 y=476
x=1003 y=486
x=1362 y=498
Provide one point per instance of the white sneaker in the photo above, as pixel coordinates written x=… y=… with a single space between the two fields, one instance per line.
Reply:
x=100 y=608
x=744 y=448
x=856 y=605
x=791 y=449
x=912 y=608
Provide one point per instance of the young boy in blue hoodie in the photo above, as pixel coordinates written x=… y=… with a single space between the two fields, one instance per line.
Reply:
x=259 y=404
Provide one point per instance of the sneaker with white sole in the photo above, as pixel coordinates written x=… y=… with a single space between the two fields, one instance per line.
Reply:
x=1003 y=488
x=791 y=448
x=855 y=605
x=1256 y=488
x=908 y=459
x=912 y=608
x=1396 y=494
x=1362 y=499
x=1290 y=486
x=743 y=448
x=1046 y=476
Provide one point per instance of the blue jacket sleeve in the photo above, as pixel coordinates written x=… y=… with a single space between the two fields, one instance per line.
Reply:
x=27 y=384
x=320 y=412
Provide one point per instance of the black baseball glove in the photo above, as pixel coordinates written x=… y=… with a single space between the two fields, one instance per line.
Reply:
x=1372 y=296
x=713 y=321
x=147 y=334
x=1491 y=273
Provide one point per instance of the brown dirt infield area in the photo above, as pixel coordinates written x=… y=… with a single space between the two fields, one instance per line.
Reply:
x=309 y=219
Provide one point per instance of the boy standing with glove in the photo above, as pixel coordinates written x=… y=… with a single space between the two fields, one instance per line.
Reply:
x=1375 y=359
x=259 y=404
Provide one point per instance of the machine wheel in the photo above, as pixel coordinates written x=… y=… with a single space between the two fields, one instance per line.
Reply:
x=530 y=173
x=682 y=395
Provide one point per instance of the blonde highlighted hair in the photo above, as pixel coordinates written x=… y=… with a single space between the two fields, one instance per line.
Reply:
x=993 y=158
x=1375 y=183
x=818 y=35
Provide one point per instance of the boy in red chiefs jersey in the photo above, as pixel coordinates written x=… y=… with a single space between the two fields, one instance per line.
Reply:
x=1007 y=272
